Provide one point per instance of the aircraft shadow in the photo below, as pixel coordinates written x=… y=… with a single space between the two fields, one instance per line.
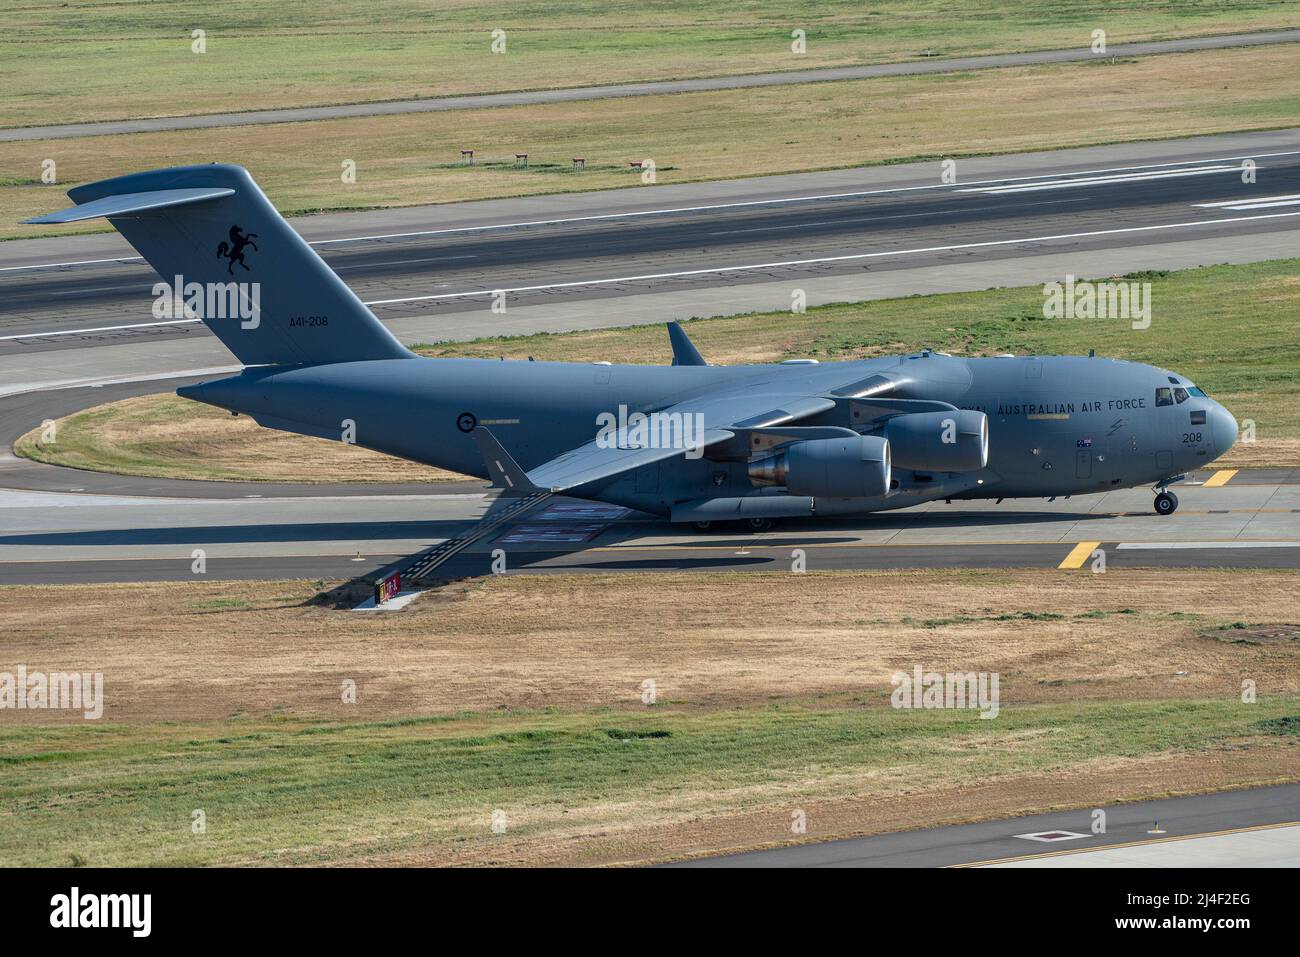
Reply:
x=478 y=566
x=419 y=533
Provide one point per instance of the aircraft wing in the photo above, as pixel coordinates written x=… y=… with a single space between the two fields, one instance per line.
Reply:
x=713 y=417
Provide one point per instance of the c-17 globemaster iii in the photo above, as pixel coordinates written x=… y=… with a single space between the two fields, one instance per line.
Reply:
x=691 y=442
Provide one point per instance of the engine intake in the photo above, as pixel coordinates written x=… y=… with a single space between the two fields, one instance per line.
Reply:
x=849 y=467
x=940 y=441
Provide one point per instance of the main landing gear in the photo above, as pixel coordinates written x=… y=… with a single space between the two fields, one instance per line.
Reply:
x=1166 y=503
x=755 y=525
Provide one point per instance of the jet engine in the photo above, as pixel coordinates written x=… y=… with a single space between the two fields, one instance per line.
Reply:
x=854 y=466
x=956 y=441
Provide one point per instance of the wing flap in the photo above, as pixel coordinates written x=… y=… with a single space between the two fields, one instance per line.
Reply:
x=593 y=462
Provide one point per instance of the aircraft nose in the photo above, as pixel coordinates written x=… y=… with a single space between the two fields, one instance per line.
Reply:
x=1223 y=428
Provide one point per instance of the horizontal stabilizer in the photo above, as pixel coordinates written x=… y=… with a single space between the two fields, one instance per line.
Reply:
x=123 y=204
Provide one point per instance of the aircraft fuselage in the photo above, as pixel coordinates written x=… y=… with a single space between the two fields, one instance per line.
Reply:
x=1057 y=425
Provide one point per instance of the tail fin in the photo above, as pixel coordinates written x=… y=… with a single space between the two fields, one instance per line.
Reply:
x=264 y=292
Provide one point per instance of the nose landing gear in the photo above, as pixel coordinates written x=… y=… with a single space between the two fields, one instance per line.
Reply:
x=1166 y=503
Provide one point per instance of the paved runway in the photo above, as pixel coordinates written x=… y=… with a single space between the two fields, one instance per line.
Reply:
x=528 y=97
x=78 y=309
x=93 y=537
x=1193 y=836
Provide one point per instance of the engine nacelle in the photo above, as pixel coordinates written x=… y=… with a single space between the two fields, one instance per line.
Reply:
x=854 y=466
x=940 y=441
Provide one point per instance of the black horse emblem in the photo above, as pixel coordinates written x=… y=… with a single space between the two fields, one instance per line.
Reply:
x=233 y=251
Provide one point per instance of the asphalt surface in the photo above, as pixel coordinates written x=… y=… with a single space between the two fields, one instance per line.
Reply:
x=921 y=226
x=532 y=97
x=81 y=536
x=997 y=841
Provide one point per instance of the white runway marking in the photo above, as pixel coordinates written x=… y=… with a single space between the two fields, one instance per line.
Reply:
x=405 y=262
x=880 y=219
x=87 y=332
x=1262 y=202
x=1102 y=180
x=1245 y=199
x=1051 y=837
x=1011 y=180
x=830 y=259
x=81 y=292
x=76 y=262
x=712 y=270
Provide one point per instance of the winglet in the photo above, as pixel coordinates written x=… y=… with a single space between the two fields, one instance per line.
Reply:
x=684 y=351
x=504 y=471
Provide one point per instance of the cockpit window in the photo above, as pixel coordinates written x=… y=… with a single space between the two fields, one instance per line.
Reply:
x=1180 y=394
x=1164 y=397
x=1197 y=392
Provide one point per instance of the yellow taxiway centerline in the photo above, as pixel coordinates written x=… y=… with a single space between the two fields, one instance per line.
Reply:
x=1079 y=554
x=1221 y=477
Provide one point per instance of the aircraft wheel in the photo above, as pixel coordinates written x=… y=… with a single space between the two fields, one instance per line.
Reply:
x=703 y=526
x=1166 y=503
x=758 y=524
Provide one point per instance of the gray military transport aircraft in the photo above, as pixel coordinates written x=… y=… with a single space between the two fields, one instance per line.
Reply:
x=692 y=442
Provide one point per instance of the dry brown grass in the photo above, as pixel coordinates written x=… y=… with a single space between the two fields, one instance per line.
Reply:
x=211 y=650
x=1261 y=454
x=181 y=660
x=166 y=436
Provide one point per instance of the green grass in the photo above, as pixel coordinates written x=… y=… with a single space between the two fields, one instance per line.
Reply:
x=89 y=59
x=291 y=791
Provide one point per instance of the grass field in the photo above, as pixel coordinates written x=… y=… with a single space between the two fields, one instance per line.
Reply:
x=414 y=160
x=91 y=60
x=1229 y=328
x=224 y=697
x=169 y=437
